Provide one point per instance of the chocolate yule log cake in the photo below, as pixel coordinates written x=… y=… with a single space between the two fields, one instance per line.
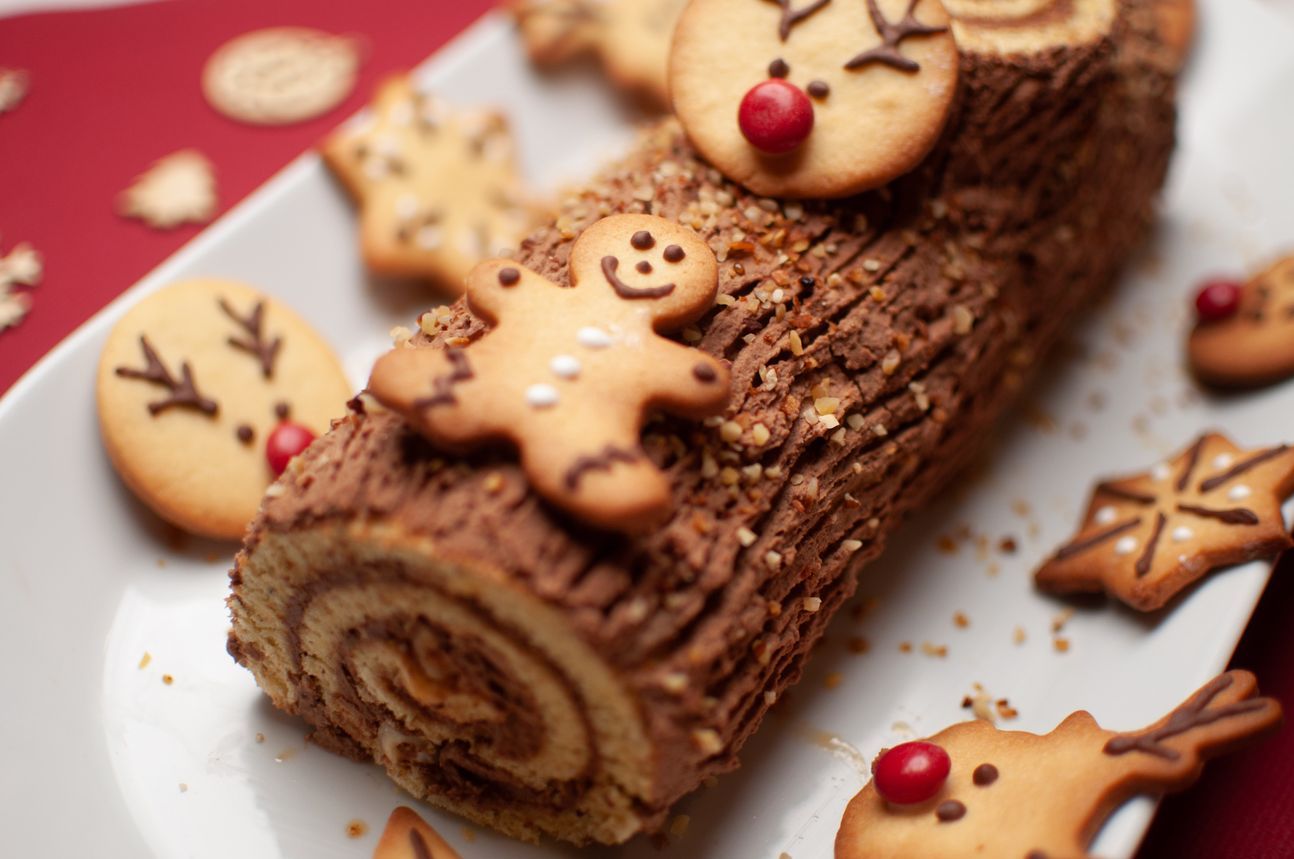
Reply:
x=563 y=633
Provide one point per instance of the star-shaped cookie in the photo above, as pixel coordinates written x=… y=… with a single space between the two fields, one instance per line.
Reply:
x=438 y=189
x=1145 y=538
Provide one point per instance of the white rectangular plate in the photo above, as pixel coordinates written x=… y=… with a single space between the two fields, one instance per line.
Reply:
x=101 y=758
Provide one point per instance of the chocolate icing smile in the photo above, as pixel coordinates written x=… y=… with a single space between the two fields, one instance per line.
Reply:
x=610 y=265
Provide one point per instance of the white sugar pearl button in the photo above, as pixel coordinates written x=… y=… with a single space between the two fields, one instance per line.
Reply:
x=1181 y=534
x=1239 y=492
x=593 y=338
x=1106 y=515
x=542 y=396
x=1161 y=471
x=1223 y=460
x=565 y=366
x=1125 y=546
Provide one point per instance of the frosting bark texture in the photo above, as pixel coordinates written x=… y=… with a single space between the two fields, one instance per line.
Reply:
x=432 y=613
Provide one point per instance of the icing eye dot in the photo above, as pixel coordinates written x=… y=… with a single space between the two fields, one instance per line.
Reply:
x=704 y=373
x=245 y=433
x=984 y=775
x=509 y=276
x=643 y=267
x=674 y=253
x=818 y=89
x=643 y=240
x=778 y=68
x=282 y=410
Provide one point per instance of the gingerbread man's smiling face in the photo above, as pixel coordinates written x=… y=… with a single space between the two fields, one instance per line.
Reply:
x=813 y=98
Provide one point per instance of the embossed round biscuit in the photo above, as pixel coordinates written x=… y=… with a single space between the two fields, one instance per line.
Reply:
x=1029 y=26
x=881 y=76
x=280 y=75
x=1255 y=346
x=190 y=384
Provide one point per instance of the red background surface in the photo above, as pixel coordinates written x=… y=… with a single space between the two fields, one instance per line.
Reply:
x=114 y=90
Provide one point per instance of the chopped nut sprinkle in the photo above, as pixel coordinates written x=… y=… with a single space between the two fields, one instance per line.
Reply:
x=679 y=825
x=811 y=604
x=760 y=435
x=1063 y=617
x=960 y=620
x=746 y=537
x=1018 y=636
x=1005 y=710
x=939 y=651
x=1061 y=644
x=145 y=659
x=707 y=741
x=773 y=559
x=797 y=345
x=851 y=546
x=730 y=431
x=833 y=679
x=675 y=682
x=890 y=362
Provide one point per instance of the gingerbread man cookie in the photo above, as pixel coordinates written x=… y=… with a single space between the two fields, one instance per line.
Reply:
x=1245 y=334
x=567 y=374
x=407 y=836
x=813 y=98
x=205 y=389
x=630 y=37
x=438 y=190
x=1147 y=537
x=975 y=791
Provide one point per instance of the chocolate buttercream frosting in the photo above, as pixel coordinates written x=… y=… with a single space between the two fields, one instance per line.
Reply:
x=428 y=611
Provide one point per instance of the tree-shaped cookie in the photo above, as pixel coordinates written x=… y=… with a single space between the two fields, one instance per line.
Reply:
x=438 y=189
x=630 y=37
x=1145 y=538
x=566 y=374
x=1017 y=795
x=1245 y=334
x=813 y=98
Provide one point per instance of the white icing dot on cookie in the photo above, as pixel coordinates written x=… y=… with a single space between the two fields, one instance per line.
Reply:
x=1181 y=534
x=593 y=338
x=429 y=238
x=542 y=396
x=1106 y=515
x=1223 y=460
x=1125 y=546
x=565 y=366
x=1161 y=471
x=407 y=206
x=1239 y=492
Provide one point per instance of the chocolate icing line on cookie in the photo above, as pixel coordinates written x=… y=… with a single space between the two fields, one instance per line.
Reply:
x=1232 y=516
x=791 y=17
x=603 y=461
x=1194 y=713
x=892 y=35
x=1124 y=494
x=1240 y=468
x=443 y=386
x=1147 y=558
x=1192 y=460
x=611 y=264
x=265 y=351
x=1080 y=546
x=184 y=392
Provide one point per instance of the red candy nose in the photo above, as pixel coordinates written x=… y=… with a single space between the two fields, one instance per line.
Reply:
x=287 y=440
x=775 y=116
x=1217 y=300
x=911 y=772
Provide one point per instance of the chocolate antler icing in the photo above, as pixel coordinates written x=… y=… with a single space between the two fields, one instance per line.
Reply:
x=184 y=392
x=892 y=35
x=1195 y=713
x=792 y=16
x=265 y=351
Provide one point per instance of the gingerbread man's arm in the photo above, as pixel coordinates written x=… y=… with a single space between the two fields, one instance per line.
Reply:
x=497 y=288
x=431 y=387
x=687 y=382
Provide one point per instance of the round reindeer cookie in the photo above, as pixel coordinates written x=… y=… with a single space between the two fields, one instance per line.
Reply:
x=205 y=389
x=280 y=75
x=813 y=98
x=1245 y=334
